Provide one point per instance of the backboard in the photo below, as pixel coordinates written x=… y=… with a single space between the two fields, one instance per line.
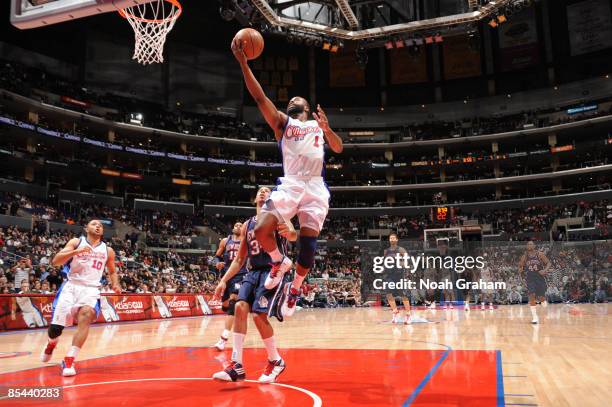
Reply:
x=27 y=14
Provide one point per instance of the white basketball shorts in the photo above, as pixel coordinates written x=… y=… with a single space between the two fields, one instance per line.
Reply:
x=70 y=298
x=306 y=197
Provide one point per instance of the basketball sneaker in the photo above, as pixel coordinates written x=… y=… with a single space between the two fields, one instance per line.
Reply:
x=220 y=345
x=68 y=366
x=278 y=271
x=466 y=307
x=272 y=371
x=408 y=319
x=47 y=352
x=292 y=295
x=233 y=372
x=491 y=307
x=535 y=321
x=482 y=306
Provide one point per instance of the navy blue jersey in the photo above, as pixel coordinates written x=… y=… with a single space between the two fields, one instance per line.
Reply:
x=231 y=251
x=258 y=259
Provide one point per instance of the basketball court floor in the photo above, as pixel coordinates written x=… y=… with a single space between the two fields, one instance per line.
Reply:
x=337 y=357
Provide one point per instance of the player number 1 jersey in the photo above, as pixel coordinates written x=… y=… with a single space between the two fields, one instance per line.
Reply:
x=302 y=147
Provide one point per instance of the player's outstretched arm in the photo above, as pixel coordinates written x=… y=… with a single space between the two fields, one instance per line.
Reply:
x=112 y=271
x=236 y=265
x=220 y=264
x=68 y=252
x=275 y=119
x=334 y=140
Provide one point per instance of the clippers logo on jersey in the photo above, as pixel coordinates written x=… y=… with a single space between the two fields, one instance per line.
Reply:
x=298 y=133
x=87 y=268
x=302 y=147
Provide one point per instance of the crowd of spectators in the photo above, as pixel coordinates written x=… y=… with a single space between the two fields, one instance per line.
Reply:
x=26 y=255
x=26 y=80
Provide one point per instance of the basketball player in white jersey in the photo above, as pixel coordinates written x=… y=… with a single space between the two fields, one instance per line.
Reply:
x=302 y=190
x=78 y=299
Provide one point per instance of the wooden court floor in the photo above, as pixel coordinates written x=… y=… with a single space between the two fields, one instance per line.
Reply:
x=337 y=357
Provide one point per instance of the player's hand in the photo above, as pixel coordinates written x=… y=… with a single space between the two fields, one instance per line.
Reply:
x=220 y=265
x=84 y=249
x=287 y=231
x=219 y=290
x=321 y=118
x=238 y=52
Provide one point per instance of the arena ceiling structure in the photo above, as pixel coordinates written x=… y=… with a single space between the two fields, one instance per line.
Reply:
x=371 y=23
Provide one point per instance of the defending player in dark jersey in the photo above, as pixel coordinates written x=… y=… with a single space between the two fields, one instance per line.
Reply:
x=533 y=266
x=255 y=297
x=392 y=251
x=226 y=253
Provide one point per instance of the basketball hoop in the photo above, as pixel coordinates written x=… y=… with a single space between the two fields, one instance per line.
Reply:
x=151 y=23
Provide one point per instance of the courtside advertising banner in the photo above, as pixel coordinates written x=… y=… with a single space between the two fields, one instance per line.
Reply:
x=36 y=310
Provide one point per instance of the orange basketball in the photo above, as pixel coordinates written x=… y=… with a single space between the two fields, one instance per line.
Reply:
x=252 y=42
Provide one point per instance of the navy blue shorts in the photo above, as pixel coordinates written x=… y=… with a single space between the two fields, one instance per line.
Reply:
x=536 y=284
x=253 y=292
x=233 y=286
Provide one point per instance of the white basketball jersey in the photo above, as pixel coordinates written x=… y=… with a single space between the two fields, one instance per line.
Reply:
x=302 y=147
x=87 y=268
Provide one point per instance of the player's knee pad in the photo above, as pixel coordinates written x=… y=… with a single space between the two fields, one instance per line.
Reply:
x=231 y=308
x=308 y=247
x=55 y=331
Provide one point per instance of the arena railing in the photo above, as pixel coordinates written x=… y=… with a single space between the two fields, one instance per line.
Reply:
x=234 y=210
x=125 y=128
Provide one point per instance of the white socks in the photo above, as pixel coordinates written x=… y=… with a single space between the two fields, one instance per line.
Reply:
x=237 y=351
x=271 y=348
x=73 y=352
x=533 y=312
x=225 y=334
x=275 y=255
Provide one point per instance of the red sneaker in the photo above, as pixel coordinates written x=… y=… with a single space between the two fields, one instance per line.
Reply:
x=46 y=354
x=288 y=308
x=68 y=366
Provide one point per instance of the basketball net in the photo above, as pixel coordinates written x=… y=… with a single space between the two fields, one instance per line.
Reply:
x=151 y=23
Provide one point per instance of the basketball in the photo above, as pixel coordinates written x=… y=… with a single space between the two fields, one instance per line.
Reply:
x=252 y=42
